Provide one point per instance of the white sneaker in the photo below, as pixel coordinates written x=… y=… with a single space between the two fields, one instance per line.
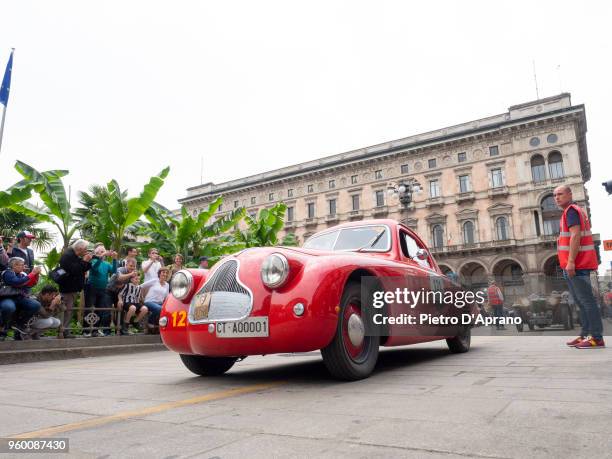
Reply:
x=101 y=333
x=86 y=335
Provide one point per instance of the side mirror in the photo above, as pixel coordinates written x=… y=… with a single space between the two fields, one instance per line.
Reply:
x=422 y=253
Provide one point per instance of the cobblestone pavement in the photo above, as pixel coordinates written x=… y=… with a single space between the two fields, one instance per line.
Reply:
x=510 y=396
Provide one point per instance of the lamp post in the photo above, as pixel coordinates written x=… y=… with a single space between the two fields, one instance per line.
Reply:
x=404 y=190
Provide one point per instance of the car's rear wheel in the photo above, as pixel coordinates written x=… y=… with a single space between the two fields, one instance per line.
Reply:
x=351 y=355
x=461 y=342
x=207 y=366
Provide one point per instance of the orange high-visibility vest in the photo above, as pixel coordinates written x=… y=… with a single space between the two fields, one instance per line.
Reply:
x=586 y=257
x=493 y=294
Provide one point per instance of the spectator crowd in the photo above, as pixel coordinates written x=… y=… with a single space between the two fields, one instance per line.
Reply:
x=111 y=291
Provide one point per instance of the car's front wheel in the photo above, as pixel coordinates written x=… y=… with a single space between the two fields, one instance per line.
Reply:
x=351 y=355
x=207 y=366
x=461 y=342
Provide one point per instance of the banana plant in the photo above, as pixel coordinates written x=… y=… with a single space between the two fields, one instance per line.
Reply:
x=262 y=230
x=113 y=213
x=50 y=188
x=188 y=235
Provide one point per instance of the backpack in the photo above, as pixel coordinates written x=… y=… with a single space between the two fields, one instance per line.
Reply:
x=58 y=274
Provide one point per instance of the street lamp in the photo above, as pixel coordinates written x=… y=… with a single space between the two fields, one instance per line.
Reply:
x=404 y=190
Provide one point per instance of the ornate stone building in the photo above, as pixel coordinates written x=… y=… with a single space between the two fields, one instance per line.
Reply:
x=486 y=205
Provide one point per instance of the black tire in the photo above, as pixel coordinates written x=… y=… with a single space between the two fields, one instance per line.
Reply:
x=566 y=318
x=460 y=343
x=207 y=366
x=336 y=356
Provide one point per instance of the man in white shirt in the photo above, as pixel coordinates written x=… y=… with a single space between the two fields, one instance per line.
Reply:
x=152 y=266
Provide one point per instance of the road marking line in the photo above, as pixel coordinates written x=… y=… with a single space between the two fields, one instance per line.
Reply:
x=146 y=411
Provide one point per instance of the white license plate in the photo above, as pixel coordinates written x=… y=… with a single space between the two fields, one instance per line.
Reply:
x=253 y=327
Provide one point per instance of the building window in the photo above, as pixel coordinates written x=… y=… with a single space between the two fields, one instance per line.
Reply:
x=236 y=204
x=332 y=184
x=555 y=165
x=378 y=175
x=310 y=210
x=253 y=214
x=332 y=207
x=289 y=214
x=431 y=163
x=468 y=232
x=497 y=178
x=552 y=138
x=380 y=198
x=501 y=228
x=464 y=183
x=310 y=188
x=355 y=201
x=536 y=219
x=494 y=150
x=462 y=157
x=434 y=189
x=538 y=168
x=404 y=168
x=353 y=179
x=290 y=193
x=551 y=215
x=270 y=196
x=252 y=199
x=437 y=236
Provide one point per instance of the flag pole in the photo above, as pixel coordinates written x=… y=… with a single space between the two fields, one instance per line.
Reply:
x=2 y=126
x=4 y=92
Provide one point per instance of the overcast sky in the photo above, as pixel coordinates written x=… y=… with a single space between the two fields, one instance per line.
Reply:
x=120 y=89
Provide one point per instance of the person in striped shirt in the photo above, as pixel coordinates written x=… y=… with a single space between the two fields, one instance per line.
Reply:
x=130 y=302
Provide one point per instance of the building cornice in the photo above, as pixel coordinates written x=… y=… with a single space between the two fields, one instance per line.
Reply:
x=413 y=144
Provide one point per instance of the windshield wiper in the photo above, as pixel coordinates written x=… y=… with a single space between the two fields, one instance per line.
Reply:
x=369 y=245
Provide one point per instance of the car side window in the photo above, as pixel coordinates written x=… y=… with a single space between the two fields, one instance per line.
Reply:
x=409 y=245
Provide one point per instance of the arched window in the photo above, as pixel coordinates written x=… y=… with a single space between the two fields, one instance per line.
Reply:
x=555 y=165
x=501 y=227
x=437 y=236
x=538 y=168
x=551 y=215
x=468 y=232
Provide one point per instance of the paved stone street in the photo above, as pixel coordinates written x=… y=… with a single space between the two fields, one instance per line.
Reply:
x=510 y=396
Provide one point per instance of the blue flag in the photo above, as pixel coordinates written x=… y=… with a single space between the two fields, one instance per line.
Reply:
x=6 y=82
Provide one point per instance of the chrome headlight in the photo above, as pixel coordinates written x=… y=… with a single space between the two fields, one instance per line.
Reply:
x=181 y=284
x=274 y=270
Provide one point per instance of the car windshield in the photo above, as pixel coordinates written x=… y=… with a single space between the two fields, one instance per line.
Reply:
x=368 y=238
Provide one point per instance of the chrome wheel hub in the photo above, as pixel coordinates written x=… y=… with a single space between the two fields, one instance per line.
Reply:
x=355 y=330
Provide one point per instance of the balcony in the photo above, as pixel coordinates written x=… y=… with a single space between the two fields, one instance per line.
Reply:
x=433 y=202
x=499 y=191
x=290 y=225
x=332 y=218
x=355 y=215
x=468 y=196
x=380 y=211
x=311 y=222
x=476 y=246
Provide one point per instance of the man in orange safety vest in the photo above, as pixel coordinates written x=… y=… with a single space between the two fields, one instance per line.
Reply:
x=577 y=259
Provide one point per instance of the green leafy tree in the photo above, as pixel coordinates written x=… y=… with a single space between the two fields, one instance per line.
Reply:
x=264 y=228
x=12 y=222
x=50 y=188
x=107 y=213
x=190 y=236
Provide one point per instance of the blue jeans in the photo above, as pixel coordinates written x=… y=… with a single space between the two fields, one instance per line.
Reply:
x=582 y=292
x=154 y=310
x=24 y=307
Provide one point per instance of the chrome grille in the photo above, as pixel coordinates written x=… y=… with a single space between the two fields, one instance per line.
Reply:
x=222 y=298
x=225 y=279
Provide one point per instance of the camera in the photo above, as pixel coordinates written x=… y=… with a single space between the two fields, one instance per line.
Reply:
x=608 y=186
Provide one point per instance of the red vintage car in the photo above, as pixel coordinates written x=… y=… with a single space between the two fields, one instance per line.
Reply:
x=321 y=296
